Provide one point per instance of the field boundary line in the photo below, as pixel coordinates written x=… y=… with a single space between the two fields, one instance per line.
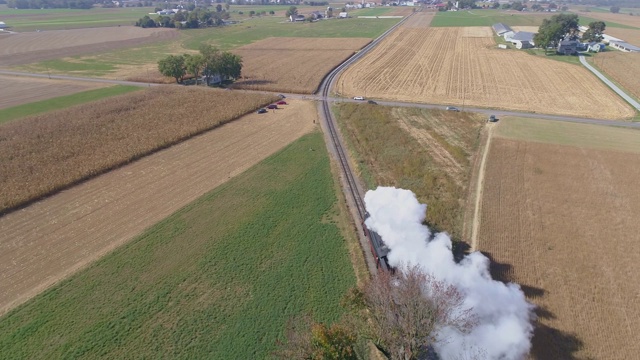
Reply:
x=479 y=187
x=610 y=84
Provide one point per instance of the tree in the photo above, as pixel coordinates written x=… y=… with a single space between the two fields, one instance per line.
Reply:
x=146 y=22
x=403 y=314
x=194 y=64
x=308 y=340
x=252 y=12
x=230 y=65
x=559 y=27
x=218 y=8
x=271 y=12
x=293 y=11
x=329 y=12
x=172 y=66
x=517 y=6
x=211 y=61
x=594 y=32
x=615 y=9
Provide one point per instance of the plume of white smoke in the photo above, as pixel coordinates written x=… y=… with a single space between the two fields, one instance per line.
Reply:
x=504 y=330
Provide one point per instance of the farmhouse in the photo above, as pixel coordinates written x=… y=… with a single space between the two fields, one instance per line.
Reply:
x=624 y=46
x=294 y=18
x=568 y=47
x=3 y=25
x=501 y=29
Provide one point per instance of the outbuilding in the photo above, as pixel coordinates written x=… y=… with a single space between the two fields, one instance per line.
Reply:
x=522 y=39
x=3 y=25
x=624 y=46
x=501 y=28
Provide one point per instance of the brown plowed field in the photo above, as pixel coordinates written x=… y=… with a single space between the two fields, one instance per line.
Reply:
x=440 y=65
x=295 y=65
x=24 y=48
x=21 y=90
x=620 y=66
x=46 y=242
x=561 y=221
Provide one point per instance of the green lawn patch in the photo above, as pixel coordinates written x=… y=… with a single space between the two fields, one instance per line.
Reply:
x=553 y=55
x=480 y=17
x=217 y=279
x=62 y=102
x=371 y=11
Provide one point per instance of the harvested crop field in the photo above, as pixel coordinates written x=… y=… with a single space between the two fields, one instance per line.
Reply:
x=624 y=19
x=558 y=217
x=618 y=66
x=442 y=66
x=629 y=35
x=24 y=48
x=24 y=90
x=49 y=240
x=45 y=153
x=295 y=65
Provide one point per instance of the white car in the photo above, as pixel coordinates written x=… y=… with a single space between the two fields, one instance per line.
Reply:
x=358 y=98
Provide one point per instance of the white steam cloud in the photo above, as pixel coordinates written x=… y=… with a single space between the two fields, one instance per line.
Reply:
x=504 y=330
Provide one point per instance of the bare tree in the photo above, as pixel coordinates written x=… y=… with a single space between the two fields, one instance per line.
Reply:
x=404 y=312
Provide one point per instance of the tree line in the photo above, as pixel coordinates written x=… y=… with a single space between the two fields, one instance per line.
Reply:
x=208 y=63
x=50 y=4
x=197 y=18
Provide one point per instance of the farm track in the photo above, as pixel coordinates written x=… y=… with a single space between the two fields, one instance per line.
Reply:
x=47 y=241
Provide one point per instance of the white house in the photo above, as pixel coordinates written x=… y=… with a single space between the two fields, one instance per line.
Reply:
x=3 y=25
x=343 y=15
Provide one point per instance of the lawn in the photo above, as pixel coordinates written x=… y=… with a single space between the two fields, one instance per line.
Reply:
x=218 y=279
x=481 y=17
x=371 y=11
x=57 y=19
x=553 y=55
x=62 y=102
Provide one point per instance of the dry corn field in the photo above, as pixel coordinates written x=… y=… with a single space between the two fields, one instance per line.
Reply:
x=25 y=90
x=624 y=19
x=44 y=153
x=562 y=221
x=29 y=47
x=629 y=35
x=618 y=66
x=443 y=66
x=295 y=65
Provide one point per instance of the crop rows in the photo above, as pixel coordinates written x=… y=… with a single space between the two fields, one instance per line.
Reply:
x=559 y=221
x=294 y=65
x=440 y=65
x=619 y=66
x=45 y=153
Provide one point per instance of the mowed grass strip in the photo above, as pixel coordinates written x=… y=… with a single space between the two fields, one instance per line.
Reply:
x=218 y=279
x=426 y=151
x=44 y=153
x=62 y=102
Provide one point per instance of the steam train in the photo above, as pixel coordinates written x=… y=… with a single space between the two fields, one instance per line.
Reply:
x=378 y=248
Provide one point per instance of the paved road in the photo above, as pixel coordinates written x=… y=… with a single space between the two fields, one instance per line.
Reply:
x=498 y=113
x=613 y=86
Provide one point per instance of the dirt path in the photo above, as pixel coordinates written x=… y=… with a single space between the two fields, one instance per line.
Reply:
x=46 y=242
x=479 y=186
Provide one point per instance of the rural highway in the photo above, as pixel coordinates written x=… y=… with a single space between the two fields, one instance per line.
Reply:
x=319 y=96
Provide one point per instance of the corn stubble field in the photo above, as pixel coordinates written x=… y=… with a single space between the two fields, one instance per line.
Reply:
x=427 y=151
x=558 y=217
x=44 y=153
x=295 y=65
x=619 y=66
x=463 y=67
x=26 y=90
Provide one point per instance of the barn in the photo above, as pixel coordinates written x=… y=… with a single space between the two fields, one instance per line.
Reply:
x=624 y=46
x=501 y=29
x=522 y=39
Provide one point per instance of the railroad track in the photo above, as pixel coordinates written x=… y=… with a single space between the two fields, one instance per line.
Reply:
x=378 y=248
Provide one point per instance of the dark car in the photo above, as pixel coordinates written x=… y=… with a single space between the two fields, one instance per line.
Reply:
x=272 y=106
x=262 y=111
x=281 y=96
x=493 y=118
x=281 y=102
x=452 y=108
x=372 y=102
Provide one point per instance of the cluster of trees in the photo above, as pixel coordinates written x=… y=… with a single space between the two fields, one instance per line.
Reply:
x=209 y=63
x=50 y=4
x=199 y=17
x=559 y=27
x=400 y=314
x=595 y=31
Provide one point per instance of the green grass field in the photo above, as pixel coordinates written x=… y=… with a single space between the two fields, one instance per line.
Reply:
x=218 y=279
x=371 y=11
x=553 y=55
x=56 y=19
x=62 y=102
x=565 y=133
x=480 y=17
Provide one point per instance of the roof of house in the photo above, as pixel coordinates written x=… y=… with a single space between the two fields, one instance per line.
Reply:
x=523 y=36
x=626 y=45
x=501 y=28
x=568 y=42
